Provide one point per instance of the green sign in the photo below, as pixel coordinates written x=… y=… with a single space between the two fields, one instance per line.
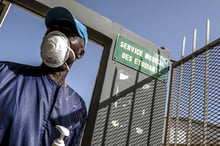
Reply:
x=140 y=58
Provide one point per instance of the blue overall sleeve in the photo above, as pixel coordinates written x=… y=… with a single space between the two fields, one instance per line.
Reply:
x=31 y=105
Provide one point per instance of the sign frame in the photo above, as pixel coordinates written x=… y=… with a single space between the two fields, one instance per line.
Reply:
x=140 y=58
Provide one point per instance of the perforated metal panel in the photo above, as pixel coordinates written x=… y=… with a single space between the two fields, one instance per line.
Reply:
x=194 y=104
x=134 y=116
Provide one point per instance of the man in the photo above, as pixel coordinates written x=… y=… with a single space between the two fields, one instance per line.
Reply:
x=36 y=103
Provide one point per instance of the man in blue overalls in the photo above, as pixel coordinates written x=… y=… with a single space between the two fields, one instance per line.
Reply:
x=35 y=99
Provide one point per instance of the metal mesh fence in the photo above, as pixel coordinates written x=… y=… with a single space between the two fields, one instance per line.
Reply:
x=194 y=102
x=133 y=118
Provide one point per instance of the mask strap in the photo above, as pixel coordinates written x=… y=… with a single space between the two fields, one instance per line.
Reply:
x=74 y=58
x=67 y=66
x=74 y=55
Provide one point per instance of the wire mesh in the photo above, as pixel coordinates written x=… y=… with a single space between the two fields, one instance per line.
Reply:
x=194 y=102
x=135 y=118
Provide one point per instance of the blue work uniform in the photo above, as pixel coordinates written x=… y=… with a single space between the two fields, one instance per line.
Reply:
x=32 y=104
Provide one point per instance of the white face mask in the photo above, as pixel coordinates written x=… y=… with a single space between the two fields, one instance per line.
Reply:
x=55 y=49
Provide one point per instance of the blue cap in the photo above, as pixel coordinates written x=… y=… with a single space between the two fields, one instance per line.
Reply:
x=59 y=13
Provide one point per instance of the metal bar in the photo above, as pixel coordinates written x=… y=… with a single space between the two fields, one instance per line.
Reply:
x=170 y=103
x=32 y=6
x=207 y=31
x=189 y=129
x=205 y=98
x=194 y=40
x=178 y=104
x=4 y=8
x=183 y=47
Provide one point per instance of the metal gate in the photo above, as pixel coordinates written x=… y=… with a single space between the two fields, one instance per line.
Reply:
x=194 y=101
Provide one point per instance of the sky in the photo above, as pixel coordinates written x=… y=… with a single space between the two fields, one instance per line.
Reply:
x=164 y=23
